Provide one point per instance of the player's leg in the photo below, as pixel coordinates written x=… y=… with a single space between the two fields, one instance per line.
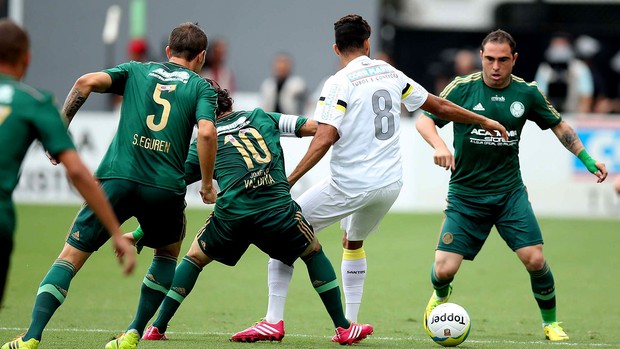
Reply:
x=161 y=214
x=293 y=237
x=317 y=205
x=216 y=240
x=7 y=230
x=519 y=228
x=370 y=209
x=85 y=236
x=467 y=224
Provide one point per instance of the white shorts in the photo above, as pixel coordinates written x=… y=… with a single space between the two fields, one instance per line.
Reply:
x=359 y=214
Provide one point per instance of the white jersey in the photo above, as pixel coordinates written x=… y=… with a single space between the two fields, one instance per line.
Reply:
x=362 y=101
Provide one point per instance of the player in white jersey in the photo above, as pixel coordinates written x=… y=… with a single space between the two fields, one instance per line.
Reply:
x=359 y=116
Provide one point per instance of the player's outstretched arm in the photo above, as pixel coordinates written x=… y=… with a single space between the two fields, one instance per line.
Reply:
x=326 y=135
x=617 y=185
x=447 y=110
x=91 y=82
x=443 y=156
x=308 y=129
x=571 y=141
x=84 y=182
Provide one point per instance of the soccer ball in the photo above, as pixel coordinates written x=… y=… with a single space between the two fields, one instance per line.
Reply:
x=449 y=324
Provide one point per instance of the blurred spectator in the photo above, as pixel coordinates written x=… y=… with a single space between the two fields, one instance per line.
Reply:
x=587 y=48
x=565 y=79
x=215 y=67
x=283 y=92
x=466 y=62
x=615 y=66
x=137 y=50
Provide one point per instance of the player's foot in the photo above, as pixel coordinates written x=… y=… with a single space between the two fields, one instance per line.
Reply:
x=432 y=304
x=261 y=331
x=554 y=332
x=152 y=334
x=18 y=343
x=128 y=340
x=354 y=334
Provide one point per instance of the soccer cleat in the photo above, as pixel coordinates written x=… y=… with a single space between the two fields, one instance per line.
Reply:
x=152 y=334
x=261 y=331
x=432 y=304
x=128 y=340
x=554 y=332
x=354 y=334
x=18 y=343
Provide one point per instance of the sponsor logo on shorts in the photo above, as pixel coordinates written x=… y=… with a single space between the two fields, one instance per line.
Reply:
x=447 y=238
x=76 y=235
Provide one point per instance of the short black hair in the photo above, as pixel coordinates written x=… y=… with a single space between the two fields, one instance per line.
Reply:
x=500 y=37
x=14 y=42
x=187 y=40
x=351 y=31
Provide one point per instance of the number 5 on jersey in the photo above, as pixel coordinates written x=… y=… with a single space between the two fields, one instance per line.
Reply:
x=150 y=119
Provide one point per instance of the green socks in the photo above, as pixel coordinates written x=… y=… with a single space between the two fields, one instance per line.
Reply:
x=185 y=278
x=52 y=292
x=323 y=278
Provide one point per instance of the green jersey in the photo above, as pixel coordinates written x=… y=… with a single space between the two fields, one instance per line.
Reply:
x=26 y=114
x=249 y=167
x=485 y=163
x=162 y=102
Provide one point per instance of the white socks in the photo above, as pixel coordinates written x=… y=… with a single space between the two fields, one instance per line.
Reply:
x=279 y=276
x=353 y=276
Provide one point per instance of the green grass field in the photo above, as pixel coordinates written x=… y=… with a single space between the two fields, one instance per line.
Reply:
x=494 y=289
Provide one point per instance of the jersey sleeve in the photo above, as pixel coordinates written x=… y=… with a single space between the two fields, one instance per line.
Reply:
x=289 y=125
x=51 y=128
x=543 y=113
x=332 y=104
x=119 y=75
x=413 y=95
x=207 y=102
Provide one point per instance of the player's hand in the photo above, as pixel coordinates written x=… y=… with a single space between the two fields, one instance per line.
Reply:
x=444 y=158
x=601 y=173
x=125 y=253
x=494 y=128
x=53 y=160
x=208 y=193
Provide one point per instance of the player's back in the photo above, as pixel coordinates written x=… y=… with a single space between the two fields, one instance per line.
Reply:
x=363 y=102
x=161 y=105
x=249 y=167
x=26 y=114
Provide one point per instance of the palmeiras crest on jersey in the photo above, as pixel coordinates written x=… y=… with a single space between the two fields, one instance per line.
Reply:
x=517 y=109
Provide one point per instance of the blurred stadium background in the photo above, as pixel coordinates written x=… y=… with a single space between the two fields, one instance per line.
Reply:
x=420 y=36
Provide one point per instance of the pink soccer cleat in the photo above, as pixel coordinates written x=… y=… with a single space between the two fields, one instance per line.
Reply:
x=152 y=334
x=260 y=331
x=354 y=334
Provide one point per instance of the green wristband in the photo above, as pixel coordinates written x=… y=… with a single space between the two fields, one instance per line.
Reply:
x=588 y=161
x=137 y=234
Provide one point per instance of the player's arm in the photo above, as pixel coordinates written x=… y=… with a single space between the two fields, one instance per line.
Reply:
x=447 y=110
x=571 y=141
x=617 y=185
x=84 y=182
x=206 y=143
x=443 y=156
x=91 y=82
x=325 y=136
x=308 y=129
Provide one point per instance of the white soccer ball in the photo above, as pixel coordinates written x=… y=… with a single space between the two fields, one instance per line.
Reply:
x=449 y=324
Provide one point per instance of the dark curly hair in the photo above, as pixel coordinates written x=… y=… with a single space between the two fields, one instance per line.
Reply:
x=224 y=101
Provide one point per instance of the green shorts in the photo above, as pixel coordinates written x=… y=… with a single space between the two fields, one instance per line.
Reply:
x=283 y=233
x=469 y=220
x=160 y=212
